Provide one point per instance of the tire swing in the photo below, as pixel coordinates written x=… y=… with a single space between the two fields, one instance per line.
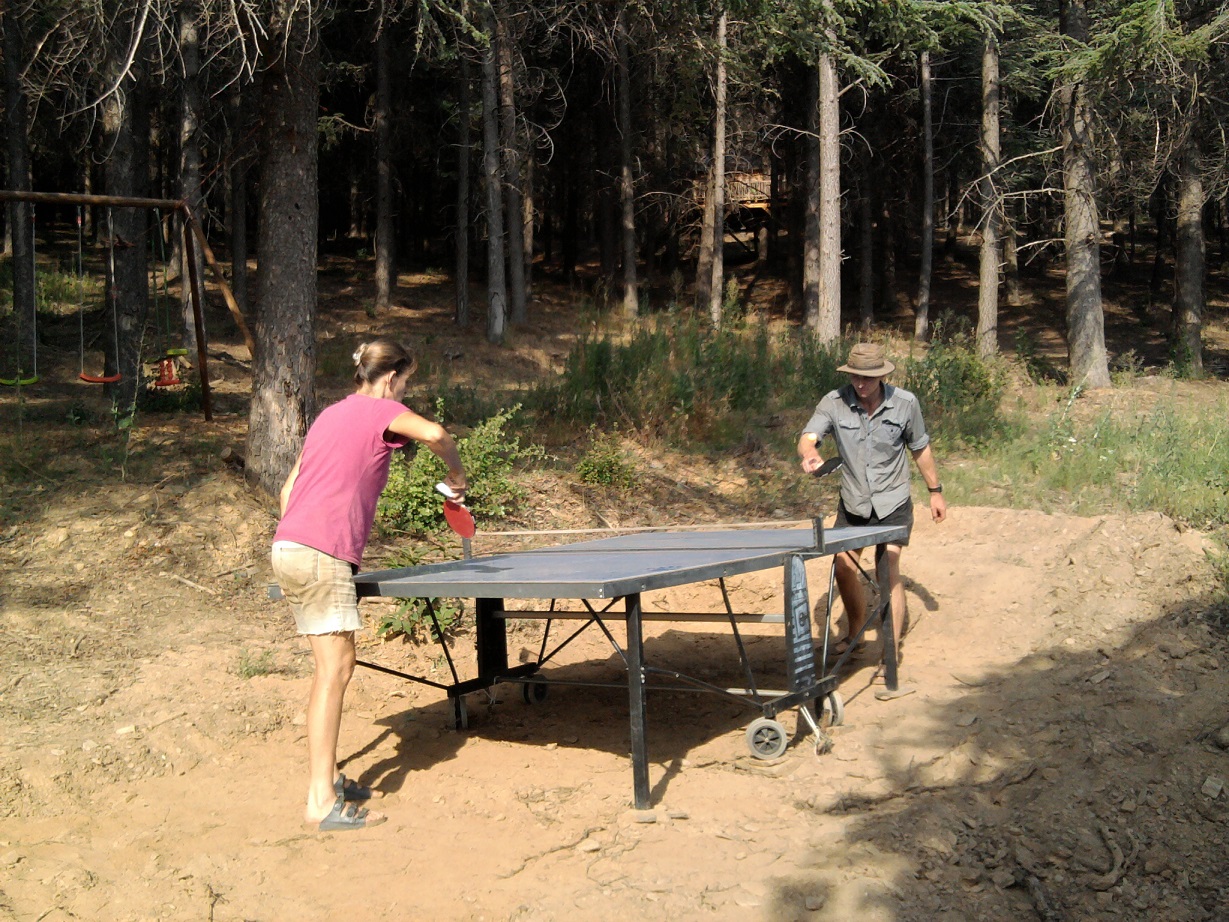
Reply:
x=21 y=379
x=167 y=376
x=84 y=375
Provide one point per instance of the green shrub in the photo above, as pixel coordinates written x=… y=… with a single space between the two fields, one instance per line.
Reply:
x=689 y=384
x=183 y=398
x=696 y=386
x=605 y=463
x=411 y=616
x=960 y=393
x=412 y=620
x=410 y=502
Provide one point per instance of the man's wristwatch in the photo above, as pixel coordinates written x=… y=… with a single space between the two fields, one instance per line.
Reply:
x=936 y=489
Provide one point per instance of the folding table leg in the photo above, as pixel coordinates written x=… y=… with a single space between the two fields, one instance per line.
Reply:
x=886 y=627
x=636 y=702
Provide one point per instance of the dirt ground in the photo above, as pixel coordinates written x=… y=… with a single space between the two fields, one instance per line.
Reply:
x=1063 y=756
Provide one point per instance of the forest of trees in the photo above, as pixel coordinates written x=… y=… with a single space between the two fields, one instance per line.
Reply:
x=617 y=143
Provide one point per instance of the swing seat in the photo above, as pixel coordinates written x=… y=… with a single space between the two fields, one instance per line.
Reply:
x=174 y=352
x=19 y=381
x=166 y=374
x=100 y=379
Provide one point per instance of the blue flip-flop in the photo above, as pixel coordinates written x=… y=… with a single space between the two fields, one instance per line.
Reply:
x=348 y=816
x=350 y=789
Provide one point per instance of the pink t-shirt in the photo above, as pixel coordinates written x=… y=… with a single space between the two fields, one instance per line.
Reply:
x=343 y=470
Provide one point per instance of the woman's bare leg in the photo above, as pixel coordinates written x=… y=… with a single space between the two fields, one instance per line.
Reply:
x=334 y=661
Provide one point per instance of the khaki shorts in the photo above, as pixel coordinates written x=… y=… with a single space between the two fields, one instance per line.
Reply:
x=319 y=588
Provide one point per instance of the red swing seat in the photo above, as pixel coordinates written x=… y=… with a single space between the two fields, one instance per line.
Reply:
x=166 y=373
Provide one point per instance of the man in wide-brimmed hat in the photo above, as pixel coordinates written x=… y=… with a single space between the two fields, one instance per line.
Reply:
x=873 y=425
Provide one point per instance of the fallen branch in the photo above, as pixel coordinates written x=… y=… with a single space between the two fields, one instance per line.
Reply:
x=188 y=582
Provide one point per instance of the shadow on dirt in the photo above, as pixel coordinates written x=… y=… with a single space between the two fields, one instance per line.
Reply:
x=1077 y=785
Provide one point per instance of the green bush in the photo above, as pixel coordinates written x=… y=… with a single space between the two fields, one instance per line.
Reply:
x=960 y=393
x=184 y=398
x=605 y=463
x=411 y=616
x=694 y=385
x=688 y=383
x=412 y=620
x=410 y=502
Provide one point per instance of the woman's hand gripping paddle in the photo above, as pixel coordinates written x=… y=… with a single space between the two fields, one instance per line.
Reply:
x=459 y=519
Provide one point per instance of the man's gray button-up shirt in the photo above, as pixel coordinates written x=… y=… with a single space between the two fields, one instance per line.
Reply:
x=875 y=477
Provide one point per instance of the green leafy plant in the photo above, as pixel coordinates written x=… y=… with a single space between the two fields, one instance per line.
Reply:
x=411 y=618
x=960 y=392
x=184 y=398
x=490 y=455
x=605 y=463
x=255 y=664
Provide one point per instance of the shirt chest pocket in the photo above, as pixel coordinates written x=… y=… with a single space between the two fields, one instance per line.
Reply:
x=887 y=435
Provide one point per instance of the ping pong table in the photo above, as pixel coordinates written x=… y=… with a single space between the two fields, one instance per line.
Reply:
x=602 y=573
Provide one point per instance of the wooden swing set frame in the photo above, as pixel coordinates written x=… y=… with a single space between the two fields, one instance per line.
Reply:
x=193 y=237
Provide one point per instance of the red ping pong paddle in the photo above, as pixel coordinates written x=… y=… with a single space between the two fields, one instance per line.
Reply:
x=459 y=519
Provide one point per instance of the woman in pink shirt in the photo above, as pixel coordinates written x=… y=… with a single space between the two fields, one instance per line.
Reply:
x=328 y=507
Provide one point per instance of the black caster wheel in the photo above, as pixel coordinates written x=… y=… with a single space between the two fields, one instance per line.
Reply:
x=833 y=710
x=534 y=692
x=766 y=738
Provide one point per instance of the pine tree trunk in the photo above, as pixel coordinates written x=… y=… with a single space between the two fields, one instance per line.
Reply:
x=1088 y=362
x=283 y=370
x=190 y=151
x=627 y=192
x=828 y=322
x=1159 y=207
x=988 y=286
x=496 y=283
x=811 y=264
x=886 y=264
x=385 y=242
x=511 y=153
x=921 y=317
x=1190 y=263
x=22 y=361
x=125 y=125
x=704 y=258
x=238 y=177
x=717 y=287
x=866 y=255
x=528 y=206
x=461 y=281
x=1011 y=261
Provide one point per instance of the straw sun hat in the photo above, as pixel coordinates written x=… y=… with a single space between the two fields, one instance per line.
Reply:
x=868 y=360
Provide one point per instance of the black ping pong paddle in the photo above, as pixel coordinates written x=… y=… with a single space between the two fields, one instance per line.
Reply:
x=835 y=463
